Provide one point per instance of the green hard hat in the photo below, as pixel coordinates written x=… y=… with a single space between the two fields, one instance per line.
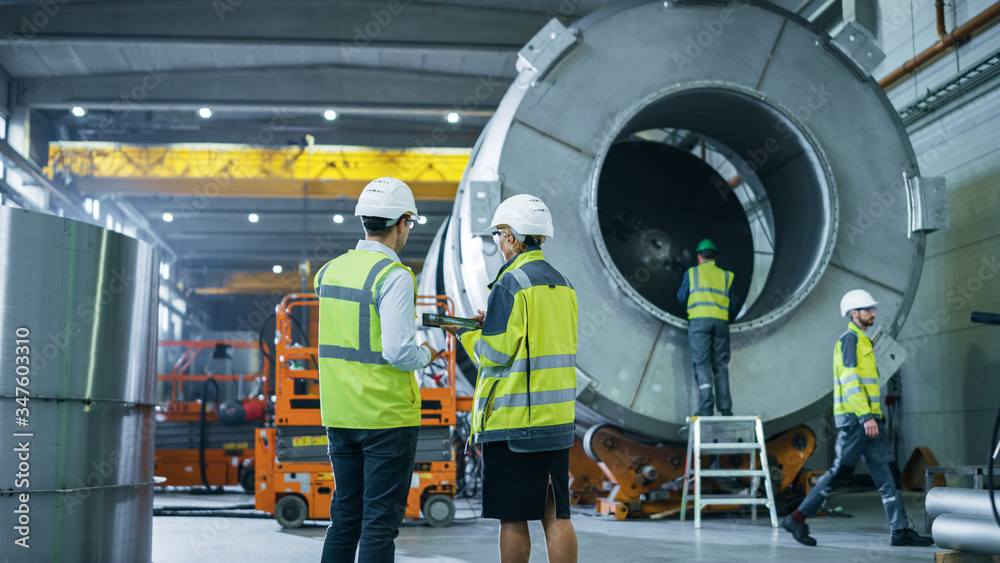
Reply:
x=706 y=244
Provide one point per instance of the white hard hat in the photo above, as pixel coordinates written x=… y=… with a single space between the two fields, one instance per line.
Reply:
x=525 y=214
x=386 y=198
x=856 y=299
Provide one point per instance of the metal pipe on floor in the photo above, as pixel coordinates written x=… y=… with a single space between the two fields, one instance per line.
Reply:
x=967 y=533
x=984 y=19
x=964 y=502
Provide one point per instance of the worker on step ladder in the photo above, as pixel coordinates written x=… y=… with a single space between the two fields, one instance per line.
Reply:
x=857 y=412
x=707 y=290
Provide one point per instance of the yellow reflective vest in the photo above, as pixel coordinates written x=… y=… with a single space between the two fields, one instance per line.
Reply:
x=358 y=388
x=526 y=350
x=708 y=296
x=856 y=394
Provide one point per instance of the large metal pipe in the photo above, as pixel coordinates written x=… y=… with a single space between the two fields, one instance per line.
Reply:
x=965 y=502
x=594 y=125
x=77 y=350
x=966 y=533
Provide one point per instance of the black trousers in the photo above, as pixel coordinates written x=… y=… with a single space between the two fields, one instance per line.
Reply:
x=371 y=471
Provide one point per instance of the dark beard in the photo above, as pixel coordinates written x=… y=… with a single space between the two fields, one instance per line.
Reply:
x=867 y=323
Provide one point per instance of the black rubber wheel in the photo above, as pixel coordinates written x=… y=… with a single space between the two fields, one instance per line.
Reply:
x=290 y=511
x=439 y=511
x=247 y=480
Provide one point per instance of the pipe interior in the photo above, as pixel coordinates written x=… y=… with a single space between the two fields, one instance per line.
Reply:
x=782 y=203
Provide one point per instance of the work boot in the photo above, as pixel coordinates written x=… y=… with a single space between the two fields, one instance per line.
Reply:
x=907 y=536
x=726 y=413
x=708 y=412
x=799 y=531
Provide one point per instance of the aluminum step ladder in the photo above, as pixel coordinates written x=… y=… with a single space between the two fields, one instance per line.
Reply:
x=725 y=431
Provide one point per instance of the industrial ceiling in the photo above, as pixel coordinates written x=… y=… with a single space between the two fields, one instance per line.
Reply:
x=269 y=71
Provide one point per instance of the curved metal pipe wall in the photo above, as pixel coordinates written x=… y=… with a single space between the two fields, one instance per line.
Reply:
x=80 y=302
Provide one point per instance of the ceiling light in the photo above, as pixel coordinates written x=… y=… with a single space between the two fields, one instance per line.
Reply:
x=329 y=115
x=79 y=111
x=422 y=220
x=453 y=117
x=205 y=113
x=276 y=269
x=168 y=217
x=253 y=218
x=338 y=218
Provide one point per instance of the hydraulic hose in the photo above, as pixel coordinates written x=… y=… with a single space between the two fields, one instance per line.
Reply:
x=201 y=431
x=989 y=468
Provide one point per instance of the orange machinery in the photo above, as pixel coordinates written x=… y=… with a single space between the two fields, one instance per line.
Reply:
x=294 y=480
x=229 y=448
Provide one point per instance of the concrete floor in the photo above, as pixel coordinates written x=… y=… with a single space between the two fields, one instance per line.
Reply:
x=722 y=538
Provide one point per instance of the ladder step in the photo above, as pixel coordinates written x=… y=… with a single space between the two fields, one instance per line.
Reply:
x=733 y=473
x=723 y=418
x=731 y=499
x=738 y=446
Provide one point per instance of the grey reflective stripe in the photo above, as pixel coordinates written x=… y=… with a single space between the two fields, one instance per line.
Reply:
x=537 y=398
x=495 y=371
x=520 y=277
x=710 y=290
x=853 y=391
x=849 y=378
x=484 y=350
x=364 y=310
x=869 y=381
x=706 y=304
x=694 y=280
x=844 y=419
x=544 y=362
x=838 y=400
x=319 y=275
x=727 y=280
x=346 y=294
x=351 y=355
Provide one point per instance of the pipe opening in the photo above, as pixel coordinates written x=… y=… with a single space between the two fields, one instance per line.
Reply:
x=721 y=164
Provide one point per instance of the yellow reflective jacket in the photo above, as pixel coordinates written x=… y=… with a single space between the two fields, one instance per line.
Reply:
x=526 y=350
x=856 y=394
x=358 y=388
x=708 y=296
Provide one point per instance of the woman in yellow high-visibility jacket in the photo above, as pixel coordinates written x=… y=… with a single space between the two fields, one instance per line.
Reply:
x=526 y=390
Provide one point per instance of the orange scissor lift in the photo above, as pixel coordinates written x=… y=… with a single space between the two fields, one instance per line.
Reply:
x=294 y=480
x=229 y=458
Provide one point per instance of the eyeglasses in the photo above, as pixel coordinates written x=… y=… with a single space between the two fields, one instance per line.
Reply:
x=410 y=222
x=497 y=235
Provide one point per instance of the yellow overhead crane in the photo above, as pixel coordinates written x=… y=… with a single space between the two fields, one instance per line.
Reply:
x=223 y=170
x=216 y=170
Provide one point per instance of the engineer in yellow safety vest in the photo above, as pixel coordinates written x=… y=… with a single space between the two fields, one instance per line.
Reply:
x=369 y=397
x=857 y=412
x=707 y=290
x=524 y=407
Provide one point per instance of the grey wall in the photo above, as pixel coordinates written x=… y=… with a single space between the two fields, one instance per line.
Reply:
x=951 y=384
